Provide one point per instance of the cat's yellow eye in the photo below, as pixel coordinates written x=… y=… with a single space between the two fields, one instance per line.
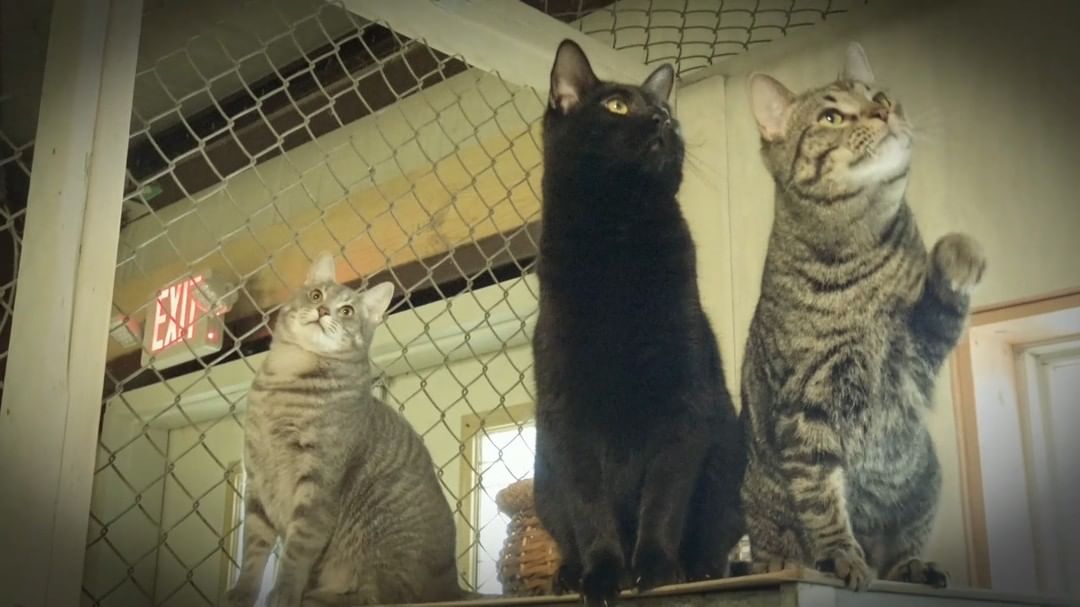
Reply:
x=617 y=106
x=315 y=295
x=831 y=117
x=883 y=99
x=346 y=311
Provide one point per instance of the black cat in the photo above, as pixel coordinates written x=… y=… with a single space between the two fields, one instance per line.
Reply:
x=639 y=454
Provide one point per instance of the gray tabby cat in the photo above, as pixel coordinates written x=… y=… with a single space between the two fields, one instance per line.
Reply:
x=341 y=477
x=854 y=322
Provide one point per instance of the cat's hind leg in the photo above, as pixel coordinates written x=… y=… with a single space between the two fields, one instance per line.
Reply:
x=917 y=571
x=902 y=561
x=342 y=580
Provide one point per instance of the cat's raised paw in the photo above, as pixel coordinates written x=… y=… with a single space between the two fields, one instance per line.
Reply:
x=850 y=566
x=916 y=571
x=959 y=262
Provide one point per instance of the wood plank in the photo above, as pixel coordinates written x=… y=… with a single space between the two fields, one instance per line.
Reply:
x=60 y=326
x=305 y=102
x=971 y=485
x=510 y=38
x=791 y=587
x=1046 y=304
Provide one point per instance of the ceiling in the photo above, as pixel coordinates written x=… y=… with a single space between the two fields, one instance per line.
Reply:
x=190 y=51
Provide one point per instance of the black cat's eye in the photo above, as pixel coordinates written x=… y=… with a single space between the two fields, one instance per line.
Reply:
x=346 y=311
x=616 y=105
x=315 y=295
x=831 y=116
x=883 y=99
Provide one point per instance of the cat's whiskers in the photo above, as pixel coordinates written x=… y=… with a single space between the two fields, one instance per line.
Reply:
x=703 y=169
x=926 y=127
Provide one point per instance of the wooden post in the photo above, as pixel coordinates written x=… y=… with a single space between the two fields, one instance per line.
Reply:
x=56 y=361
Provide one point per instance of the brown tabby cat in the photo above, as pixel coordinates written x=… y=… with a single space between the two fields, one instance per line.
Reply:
x=854 y=322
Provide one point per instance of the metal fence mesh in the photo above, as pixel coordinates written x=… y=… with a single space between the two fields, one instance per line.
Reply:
x=266 y=132
x=690 y=33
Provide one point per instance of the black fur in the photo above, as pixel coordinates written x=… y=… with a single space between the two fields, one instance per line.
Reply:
x=639 y=454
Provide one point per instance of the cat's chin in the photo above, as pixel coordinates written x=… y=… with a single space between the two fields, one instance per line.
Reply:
x=312 y=338
x=891 y=158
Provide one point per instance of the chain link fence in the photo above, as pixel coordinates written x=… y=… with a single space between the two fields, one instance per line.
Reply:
x=692 y=34
x=266 y=132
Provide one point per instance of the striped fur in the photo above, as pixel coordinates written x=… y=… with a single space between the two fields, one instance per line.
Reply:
x=854 y=323
x=340 y=477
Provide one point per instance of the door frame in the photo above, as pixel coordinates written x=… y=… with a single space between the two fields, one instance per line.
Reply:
x=967 y=429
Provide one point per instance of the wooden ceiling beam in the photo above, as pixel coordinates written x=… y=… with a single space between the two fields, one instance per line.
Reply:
x=512 y=39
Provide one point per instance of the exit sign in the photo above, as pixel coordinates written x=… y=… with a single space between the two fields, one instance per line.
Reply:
x=180 y=326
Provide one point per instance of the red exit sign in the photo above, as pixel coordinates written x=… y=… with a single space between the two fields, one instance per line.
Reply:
x=179 y=326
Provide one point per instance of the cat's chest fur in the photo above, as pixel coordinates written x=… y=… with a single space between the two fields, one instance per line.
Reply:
x=280 y=450
x=293 y=432
x=850 y=348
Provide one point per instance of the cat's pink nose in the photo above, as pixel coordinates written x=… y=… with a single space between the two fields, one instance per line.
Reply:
x=323 y=311
x=880 y=112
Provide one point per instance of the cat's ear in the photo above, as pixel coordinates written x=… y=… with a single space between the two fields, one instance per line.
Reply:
x=770 y=102
x=659 y=83
x=856 y=65
x=571 y=77
x=376 y=300
x=322 y=270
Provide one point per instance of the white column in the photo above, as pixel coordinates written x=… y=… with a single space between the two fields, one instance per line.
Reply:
x=56 y=361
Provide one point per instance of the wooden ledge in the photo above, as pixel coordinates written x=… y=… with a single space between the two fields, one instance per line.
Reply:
x=793 y=588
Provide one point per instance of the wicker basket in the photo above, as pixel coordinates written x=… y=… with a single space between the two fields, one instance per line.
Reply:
x=529 y=558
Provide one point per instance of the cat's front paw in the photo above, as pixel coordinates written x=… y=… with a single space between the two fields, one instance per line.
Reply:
x=917 y=571
x=601 y=580
x=240 y=597
x=653 y=566
x=282 y=597
x=959 y=262
x=567 y=578
x=848 y=564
